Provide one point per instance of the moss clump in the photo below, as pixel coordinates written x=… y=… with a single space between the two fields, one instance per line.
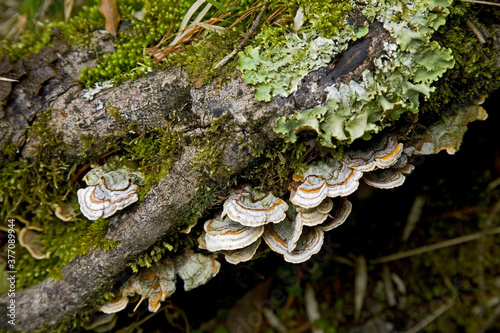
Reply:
x=209 y=158
x=154 y=152
x=200 y=58
x=271 y=169
x=476 y=67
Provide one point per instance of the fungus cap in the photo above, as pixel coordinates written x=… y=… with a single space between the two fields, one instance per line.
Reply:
x=313 y=216
x=382 y=155
x=226 y=234
x=338 y=215
x=244 y=254
x=28 y=238
x=114 y=192
x=115 y=305
x=252 y=208
x=196 y=269
x=385 y=179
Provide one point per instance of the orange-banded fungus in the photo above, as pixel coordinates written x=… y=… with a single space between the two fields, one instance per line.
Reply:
x=113 y=192
x=330 y=178
x=102 y=322
x=242 y=255
x=341 y=210
x=115 y=305
x=313 y=216
x=309 y=243
x=226 y=234
x=252 y=208
x=385 y=179
x=384 y=154
x=156 y=283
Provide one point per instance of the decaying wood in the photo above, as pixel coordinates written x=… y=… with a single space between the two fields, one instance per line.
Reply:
x=163 y=98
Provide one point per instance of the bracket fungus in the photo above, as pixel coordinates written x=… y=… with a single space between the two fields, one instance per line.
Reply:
x=196 y=269
x=28 y=237
x=226 y=234
x=330 y=178
x=313 y=216
x=245 y=254
x=252 y=208
x=295 y=246
x=108 y=191
x=157 y=282
x=115 y=305
x=384 y=154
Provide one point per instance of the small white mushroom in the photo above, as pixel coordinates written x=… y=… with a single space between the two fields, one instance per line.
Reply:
x=384 y=154
x=252 y=208
x=227 y=234
x=196 y=269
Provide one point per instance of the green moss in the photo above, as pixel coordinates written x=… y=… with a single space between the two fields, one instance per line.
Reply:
x=271 y=169
x=200 y=58
x=154 y=152
x=209 y=158
x=475 y=70
x=31 y=42
x=94 y=237
x=115 y=113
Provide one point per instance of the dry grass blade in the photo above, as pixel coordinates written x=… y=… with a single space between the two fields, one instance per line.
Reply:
x=312 y=307
x=442 y=309
x=360 y=284
x=413 y=216
x=7 y=79
x=68 y=7
x=481 y=258
x=436 y=246
x=254 y=26
x=389 y=288
x=211 y=27
x=189 y=33
x=190 y=13
x=273 y=320
x=482 y=2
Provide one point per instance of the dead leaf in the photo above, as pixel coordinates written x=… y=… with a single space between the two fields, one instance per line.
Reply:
x=109 y=9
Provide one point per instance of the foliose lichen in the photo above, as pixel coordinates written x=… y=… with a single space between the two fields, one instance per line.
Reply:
x=277 y=70
x=401 y=76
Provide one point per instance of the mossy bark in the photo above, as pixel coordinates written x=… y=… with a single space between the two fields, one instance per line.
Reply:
x=160 y=99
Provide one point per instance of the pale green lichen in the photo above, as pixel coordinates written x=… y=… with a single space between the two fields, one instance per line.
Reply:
x=402 y=75
x=277 y=70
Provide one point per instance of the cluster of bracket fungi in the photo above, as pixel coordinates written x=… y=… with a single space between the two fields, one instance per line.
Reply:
x=157 y=282
x=109 y=190
x=317 y=205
